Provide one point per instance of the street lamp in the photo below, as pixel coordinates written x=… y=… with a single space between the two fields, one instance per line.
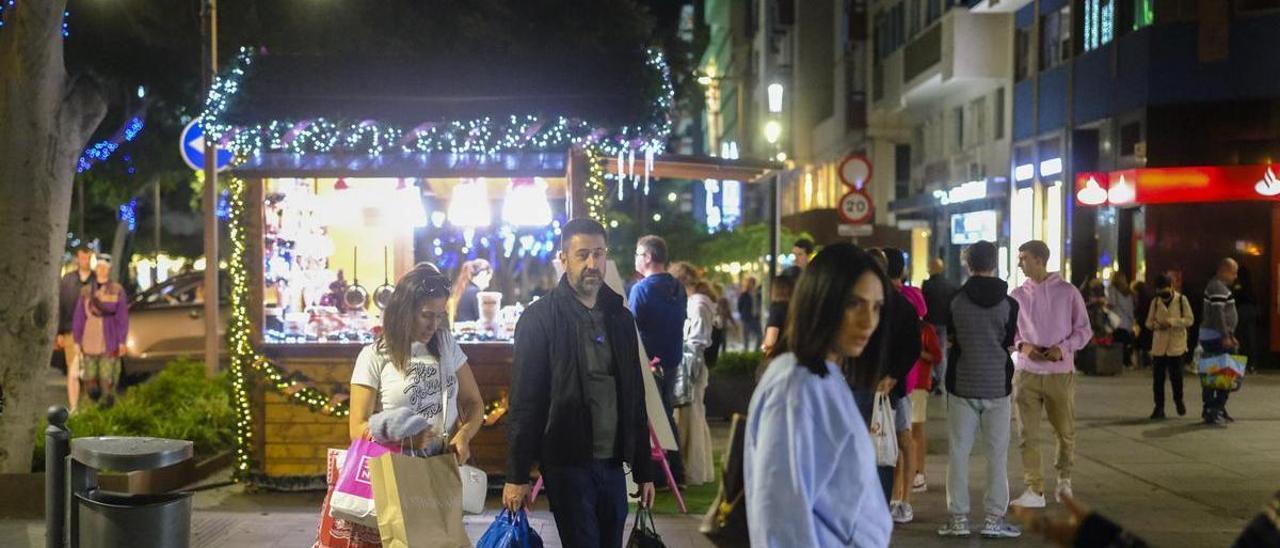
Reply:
x=772 y=131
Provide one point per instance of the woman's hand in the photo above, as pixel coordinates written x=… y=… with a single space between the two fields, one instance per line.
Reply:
x=461 y=448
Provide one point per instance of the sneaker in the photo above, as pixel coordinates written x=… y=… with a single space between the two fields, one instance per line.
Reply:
x=919 y=485
x=1182 y=408
x=998 y=527
x=1226 y=416
x=1158 y=414
x=901 y=512
x=957 y=526
x=1029 y=499
x=1064 y=488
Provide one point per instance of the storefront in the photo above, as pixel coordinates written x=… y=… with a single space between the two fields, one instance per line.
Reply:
x=1038 y=207
x=1183 y=220
x=327 y=215
x=944 y=222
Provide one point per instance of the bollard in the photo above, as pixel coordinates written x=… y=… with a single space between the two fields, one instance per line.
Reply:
x=57 y=445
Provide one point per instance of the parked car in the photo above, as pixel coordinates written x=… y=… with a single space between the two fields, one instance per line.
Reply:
x=167 y=321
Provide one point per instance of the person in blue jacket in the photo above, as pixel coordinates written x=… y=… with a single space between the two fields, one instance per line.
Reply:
x=659 y=303
x=809 y=463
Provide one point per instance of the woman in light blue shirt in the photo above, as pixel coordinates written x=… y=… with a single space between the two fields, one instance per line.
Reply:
x=809 y=463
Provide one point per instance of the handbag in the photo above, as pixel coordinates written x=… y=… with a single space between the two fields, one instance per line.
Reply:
x=475 y=482
x=510 y=530
x=643 y=532
x=352 y=498
x=682 y=383
x=883 y=432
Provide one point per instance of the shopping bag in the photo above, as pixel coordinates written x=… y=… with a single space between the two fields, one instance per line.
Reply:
x=883 y=433
x=510 y=530
x=353 y=497
x=418 y=501
x=1222 y=371
x=685 y=372
x=643 y=533
x=340 y=533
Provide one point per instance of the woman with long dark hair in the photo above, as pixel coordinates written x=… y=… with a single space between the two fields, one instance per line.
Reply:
x=809 y=463
x=411 y=361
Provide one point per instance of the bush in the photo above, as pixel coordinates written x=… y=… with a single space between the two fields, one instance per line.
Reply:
x=738 y=364
x=179 y=403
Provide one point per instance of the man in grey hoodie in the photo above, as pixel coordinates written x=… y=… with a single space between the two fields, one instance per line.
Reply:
x=1217 y=333
x=983 y=321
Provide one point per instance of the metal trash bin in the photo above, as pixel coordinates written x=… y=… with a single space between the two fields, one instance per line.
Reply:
x=101 y=519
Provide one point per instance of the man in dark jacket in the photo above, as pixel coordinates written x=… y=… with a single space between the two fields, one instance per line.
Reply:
x=938 y=292
x=72 y=285
x=577 y=399
x=983 y=321
x=661 y=305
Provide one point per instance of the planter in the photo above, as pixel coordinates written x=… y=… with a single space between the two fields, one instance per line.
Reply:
x=1101 y=360
x=728 y=394
x=148 y=482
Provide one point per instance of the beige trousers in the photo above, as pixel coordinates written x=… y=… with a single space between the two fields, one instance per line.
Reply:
x=1056 y=395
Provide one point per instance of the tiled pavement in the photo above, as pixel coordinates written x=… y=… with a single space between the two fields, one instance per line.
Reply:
x=1175 y=482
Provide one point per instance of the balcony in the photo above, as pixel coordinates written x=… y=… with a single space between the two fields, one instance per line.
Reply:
x=960 y=52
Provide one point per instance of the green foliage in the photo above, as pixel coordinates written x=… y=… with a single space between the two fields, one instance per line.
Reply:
x=177 y=403
x=745 y=244
x=738 y=363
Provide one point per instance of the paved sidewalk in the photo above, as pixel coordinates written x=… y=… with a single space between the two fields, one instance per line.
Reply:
x=1174 y=482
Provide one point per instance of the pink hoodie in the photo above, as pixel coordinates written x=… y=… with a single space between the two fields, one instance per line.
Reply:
x=917 y=300
x=1051 y=313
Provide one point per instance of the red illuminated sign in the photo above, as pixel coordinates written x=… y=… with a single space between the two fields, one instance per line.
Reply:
x=1170 y=185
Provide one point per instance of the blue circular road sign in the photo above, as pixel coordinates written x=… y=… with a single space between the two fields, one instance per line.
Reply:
x=191 y=145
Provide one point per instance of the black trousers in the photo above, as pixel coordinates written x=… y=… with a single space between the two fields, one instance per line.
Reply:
x=589 y=503
x=1170 y=366
x=1215 y=402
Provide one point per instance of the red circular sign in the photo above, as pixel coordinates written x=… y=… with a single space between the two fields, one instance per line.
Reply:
x=856 y=207
x=855 y=171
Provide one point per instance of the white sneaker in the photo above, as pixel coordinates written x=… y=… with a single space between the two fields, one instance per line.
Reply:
x=957 y=526
x=901 y=512
x=1064 y=488
x=919 y=485
x=998 y=527
x=1029 y=499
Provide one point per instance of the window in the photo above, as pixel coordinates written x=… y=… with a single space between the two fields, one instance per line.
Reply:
x=934 y=11
x=1130 y=135
x=957 y=115
x=1143 y=13
x=917 y=144
x=913 y=18
x=1055 y=38
x=1022 y=54
x=978 y=113
x=1099 y=23
x=998 y=108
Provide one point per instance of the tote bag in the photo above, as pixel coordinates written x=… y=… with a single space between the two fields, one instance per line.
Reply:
x=883 y=433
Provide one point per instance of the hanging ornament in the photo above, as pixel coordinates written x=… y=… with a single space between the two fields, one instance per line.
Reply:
x=631 y=168
x=648 y=168
x=622 y=165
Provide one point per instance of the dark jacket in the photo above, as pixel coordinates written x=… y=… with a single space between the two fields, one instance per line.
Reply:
x=69 y=289
x=549 y=421
x=981 y=328
x=468 y=304
x=938 y=292
x=903 y=348
x=661 y=306
x=747 y=307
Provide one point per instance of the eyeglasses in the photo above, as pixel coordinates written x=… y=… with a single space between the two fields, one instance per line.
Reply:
x=434 y=286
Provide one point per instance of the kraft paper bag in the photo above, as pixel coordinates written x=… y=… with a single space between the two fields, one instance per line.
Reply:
x=418 y=501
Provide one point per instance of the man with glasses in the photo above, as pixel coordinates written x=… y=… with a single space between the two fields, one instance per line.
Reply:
x=660 y=305
x=577 y=399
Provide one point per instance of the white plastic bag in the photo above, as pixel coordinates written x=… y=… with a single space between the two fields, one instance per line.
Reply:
x=883 y=434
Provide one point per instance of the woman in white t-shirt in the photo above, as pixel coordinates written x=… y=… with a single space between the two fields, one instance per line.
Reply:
x=413 y=358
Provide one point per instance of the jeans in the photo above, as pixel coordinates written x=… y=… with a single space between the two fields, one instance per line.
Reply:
x=589 y=503
x=1215 y=403
x=1172 y=367
x=673 y=457
x=965 y=416
x=865 y=399
x=940 y=370
x=751 y=326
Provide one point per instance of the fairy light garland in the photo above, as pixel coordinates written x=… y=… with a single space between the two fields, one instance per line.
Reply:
x=595 y=186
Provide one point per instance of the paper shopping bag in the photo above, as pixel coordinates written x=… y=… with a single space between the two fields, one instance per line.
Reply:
x=340 y=533
x=418 y=501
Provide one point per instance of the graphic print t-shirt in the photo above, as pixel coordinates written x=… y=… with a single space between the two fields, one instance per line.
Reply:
x=419 y=387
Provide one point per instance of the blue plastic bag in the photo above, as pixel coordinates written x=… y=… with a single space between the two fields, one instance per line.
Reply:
x=510 y=531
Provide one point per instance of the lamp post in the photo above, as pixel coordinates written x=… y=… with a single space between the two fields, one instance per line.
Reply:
x=209 y=21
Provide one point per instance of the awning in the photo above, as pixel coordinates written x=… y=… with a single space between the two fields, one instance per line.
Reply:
x=683 y=166
x=970 y=196
x=425 y=164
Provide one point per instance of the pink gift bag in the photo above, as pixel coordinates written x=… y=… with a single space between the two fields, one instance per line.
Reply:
x=353 y=497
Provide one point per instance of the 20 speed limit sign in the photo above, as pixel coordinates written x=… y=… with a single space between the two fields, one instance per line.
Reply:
x=856 y=207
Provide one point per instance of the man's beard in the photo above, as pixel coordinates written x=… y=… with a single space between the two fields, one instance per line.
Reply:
x=589 y=282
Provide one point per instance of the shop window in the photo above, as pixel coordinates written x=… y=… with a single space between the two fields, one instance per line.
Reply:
x=1055 y=38
x=1098 y=20
x=998 y=111
x=1022 y=54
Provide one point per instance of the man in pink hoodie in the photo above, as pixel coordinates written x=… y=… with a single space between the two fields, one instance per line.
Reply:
x=1052 y=325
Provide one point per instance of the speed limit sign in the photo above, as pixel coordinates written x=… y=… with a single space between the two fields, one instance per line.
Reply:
x=856 y=207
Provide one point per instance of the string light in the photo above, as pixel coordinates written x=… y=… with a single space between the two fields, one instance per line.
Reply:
x=102 y=150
